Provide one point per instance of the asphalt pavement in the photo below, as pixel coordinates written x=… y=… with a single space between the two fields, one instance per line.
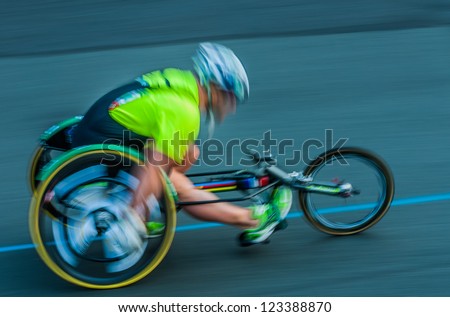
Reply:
x=374 y=73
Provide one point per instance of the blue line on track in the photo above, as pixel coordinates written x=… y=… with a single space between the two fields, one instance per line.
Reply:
x=293 y=214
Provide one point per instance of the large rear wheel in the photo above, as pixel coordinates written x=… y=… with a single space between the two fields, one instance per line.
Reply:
x=77 y=221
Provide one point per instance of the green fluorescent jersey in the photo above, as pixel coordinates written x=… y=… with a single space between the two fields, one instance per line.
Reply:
x=166 y=110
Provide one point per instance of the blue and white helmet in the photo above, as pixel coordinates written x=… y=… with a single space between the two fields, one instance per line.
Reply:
x=218 y=64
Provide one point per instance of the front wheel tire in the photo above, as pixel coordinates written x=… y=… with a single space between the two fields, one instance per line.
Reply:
x=367 y=173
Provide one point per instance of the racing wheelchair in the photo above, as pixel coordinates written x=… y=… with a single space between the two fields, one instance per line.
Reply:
x=87 y=189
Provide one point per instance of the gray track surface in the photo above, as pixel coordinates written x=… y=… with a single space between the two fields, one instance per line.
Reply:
x=376 y=72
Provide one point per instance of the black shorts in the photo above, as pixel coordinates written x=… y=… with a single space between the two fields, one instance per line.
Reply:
x=97 y=126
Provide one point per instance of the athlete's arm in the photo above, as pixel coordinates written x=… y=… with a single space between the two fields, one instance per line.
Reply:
x=149 y=178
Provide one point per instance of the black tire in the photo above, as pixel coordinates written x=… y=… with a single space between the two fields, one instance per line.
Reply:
x=356 y=216
x=78 y=183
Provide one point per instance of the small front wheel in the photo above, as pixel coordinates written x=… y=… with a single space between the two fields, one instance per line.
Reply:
x=372 y=192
